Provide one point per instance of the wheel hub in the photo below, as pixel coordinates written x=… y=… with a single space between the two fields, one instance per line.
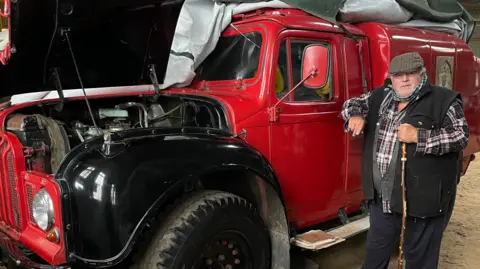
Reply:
x=226 y=251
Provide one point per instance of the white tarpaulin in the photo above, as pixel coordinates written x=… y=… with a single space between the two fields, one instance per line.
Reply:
x=391 y=12
x=382 y=11
x=456 y=27
x=199 y=26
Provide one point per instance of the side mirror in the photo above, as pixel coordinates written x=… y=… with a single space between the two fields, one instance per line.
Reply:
x=315 y=68
x=316 y=59
x=4 y=31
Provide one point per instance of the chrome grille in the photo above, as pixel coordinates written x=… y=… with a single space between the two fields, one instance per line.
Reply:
x=30 y=200
x=9 y=199
x=13 y=190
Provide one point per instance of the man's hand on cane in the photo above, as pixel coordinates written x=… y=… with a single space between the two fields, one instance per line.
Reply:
x=407 y=133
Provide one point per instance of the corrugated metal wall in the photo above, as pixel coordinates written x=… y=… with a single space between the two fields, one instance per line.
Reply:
x=475 y=41
x=473 y=7
x=3 y=23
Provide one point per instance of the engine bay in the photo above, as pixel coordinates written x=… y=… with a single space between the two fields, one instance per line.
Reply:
x=49 y=131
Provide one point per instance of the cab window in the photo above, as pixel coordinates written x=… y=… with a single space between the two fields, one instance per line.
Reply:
x=290 y=62
x=282 y=78
x=234 y=57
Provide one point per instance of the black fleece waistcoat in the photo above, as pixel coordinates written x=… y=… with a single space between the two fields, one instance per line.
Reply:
x=429 y=179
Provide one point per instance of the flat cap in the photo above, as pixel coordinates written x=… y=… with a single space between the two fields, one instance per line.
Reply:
x=406 y=63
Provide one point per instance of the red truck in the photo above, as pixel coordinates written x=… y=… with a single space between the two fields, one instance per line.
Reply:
x=100 y=168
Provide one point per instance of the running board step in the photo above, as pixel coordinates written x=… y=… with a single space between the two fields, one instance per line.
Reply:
x=318 y=239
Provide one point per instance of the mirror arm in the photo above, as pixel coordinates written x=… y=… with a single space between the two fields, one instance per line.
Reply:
x=273 y=111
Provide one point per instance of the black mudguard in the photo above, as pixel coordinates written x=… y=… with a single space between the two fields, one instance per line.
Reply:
x=110 y=190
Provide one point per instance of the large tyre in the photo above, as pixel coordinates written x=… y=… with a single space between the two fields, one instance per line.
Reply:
x=209 y=230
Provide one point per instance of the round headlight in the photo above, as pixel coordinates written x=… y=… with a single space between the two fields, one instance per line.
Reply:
x=42 y=207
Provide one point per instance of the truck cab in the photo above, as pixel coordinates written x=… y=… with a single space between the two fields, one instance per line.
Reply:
x=288 y=123
x=103 y=169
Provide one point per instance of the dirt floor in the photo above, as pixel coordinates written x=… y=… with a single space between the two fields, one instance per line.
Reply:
x=460 y=245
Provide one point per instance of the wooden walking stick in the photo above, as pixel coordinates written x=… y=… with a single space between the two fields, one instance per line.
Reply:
x=404 y=203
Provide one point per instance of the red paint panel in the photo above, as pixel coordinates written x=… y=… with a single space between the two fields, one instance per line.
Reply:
x=354 y=88
x=308 y=147
x=467 y=80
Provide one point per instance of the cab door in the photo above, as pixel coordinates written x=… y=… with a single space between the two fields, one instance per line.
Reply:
x=357 y=83
x=307 y=139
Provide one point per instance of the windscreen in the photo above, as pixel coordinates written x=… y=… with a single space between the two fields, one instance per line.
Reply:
x=234 y=57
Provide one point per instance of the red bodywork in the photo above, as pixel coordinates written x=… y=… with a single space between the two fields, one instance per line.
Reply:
x=17 y=188
x=317 y=163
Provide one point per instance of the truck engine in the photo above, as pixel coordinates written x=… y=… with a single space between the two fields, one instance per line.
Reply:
x=47 y=134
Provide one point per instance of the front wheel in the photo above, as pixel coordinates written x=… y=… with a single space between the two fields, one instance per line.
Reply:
x=209 y=230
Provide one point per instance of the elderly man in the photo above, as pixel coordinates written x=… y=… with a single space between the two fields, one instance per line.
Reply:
x=430 y=119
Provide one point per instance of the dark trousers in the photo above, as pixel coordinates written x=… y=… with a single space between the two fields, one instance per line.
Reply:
x=422 y=239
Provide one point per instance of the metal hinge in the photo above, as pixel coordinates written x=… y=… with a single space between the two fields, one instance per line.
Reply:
x=362 y=65
x=28 y=152
x=273 y=113
x=203 y=86
x=243 y=133
x=239 y=85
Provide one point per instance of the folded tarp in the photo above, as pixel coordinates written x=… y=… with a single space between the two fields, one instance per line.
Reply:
x=456 y=27
x=382 y=11
x=434 y=10
x=436 y=15
x=388 y=11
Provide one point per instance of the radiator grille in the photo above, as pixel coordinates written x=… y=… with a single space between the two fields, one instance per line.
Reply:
x=13 y=189
x=30 y=200
x=9 y=199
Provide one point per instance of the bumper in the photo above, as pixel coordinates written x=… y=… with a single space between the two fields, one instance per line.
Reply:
x=17 y=258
